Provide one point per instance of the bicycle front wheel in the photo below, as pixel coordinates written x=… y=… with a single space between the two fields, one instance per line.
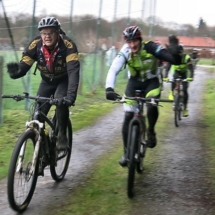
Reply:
x=59 y=169
x=132 y=161
x=181 y=108
x=22 y=176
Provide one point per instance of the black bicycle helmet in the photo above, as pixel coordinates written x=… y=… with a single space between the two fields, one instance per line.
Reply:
x=132 y=33
x=48 y=22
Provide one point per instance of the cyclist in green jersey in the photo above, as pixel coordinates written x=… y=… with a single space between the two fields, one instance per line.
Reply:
x=141 y=58
x=185 y=70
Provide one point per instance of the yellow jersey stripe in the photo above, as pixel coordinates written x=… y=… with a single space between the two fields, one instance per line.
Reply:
x=28 y=60
x=72 y=57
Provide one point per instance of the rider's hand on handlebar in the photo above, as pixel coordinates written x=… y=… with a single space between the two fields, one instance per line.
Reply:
x=66 y=101
x=189 y=79
x=111 y=95
x=165 y=79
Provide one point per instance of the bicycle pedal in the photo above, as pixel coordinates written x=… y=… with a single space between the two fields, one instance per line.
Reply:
x=143 y=150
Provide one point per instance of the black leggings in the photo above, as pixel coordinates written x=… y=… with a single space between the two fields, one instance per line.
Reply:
x=58 y=91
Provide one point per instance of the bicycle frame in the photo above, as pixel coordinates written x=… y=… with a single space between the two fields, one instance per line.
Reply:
x=178 y=98
x=178 y=87
x=38 y=128
x=34 y=150
x=139 y=120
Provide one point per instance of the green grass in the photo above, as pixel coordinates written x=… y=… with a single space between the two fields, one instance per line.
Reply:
x=206 y=61
x=209 y=134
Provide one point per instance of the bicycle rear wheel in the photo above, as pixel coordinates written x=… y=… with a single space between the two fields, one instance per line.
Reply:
x=134 y=137
x=59 y=170
x=176 y=110
x=22 y=177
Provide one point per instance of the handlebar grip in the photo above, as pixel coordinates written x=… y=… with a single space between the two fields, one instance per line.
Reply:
x=54 y=102
x=7 y=96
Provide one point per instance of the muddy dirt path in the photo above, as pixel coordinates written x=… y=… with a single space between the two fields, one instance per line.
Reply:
x=177 y=186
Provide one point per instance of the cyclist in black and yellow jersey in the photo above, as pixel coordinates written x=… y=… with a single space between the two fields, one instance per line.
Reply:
x=185 y=70
x=57 y=60
x=141 y=58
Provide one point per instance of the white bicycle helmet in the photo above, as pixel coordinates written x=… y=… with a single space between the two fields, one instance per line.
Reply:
x=132 y=33
x=48 y=22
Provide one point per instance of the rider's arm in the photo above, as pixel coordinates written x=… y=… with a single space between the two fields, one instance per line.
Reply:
x=162 y=53
x=190 y=67
x=73 y=69
x=116 y=66
x=18 y=70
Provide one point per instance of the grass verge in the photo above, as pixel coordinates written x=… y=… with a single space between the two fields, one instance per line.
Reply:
x=209 y=134
x=206 y=61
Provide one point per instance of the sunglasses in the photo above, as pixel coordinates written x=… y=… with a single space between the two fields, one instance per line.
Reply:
x=45 y=34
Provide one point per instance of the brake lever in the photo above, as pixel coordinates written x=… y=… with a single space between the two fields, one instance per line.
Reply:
x=120 y=101
x=18 y=98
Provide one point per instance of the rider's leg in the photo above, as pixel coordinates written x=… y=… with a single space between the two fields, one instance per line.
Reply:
x=62 y=114
x=45 y=90
x=125 y=127
x=171 y=96
x=152 y=91
x=152 y=115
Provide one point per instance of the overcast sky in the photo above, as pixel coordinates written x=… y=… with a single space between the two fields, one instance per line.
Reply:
x=179 y=11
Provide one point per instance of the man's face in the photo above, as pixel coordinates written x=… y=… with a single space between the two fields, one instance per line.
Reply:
x=49 y=36
x=134 y=45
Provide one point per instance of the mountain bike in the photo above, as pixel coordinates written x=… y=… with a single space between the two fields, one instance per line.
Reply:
x=137 y=143
x=34 y=150
x=178 y=93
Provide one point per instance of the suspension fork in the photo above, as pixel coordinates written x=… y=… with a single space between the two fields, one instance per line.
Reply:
x=36 y=155
x=37 y=145
x=21 y=157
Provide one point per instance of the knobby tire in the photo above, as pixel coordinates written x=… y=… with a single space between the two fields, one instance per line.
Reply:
x=139 y=165
x=132 y=163
x=20 y=207
x=53 y=169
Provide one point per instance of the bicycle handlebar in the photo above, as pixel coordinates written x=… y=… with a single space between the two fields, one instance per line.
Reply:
x=177 y=80
x=153 y=101
x=52 y=101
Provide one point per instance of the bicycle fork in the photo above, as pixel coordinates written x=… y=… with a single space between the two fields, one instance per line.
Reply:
x=36 y=148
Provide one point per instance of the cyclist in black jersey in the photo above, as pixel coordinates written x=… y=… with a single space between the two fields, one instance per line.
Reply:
x=58 y=62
